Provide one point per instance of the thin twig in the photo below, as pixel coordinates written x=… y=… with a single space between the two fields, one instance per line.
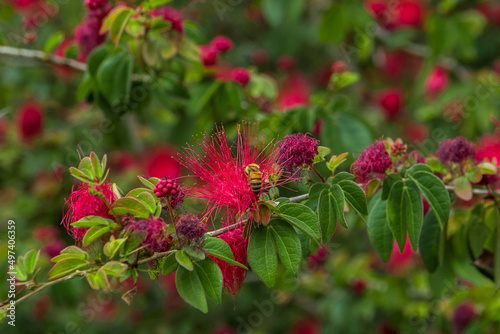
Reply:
x=45 y=285
x=155 y=256
x=42 y=56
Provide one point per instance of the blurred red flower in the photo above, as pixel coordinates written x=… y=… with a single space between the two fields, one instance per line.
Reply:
x=436 y=83
x=293 y=92
x=159 y=162
x=400 y=263
x=30 y=121
x=241 y=76
x=462 y=317
x=391 y=102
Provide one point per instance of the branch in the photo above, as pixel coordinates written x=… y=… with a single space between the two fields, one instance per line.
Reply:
x=43 y=286
x=42 y=56
x=28 y=54
x=155 y=256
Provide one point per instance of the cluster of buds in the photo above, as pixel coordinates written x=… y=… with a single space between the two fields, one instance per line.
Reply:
x=171 y=190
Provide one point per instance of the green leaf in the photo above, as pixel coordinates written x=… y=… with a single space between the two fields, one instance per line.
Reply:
x=415 y=212
x=221 y=250
x=288 y=245
x=95 y=233
x=326 y=215
x=211 y=278
x=396 y=214
x=262 y=255
x=96 y=165
x=20 y=269
x=66 y=267
x=430 y=242
x=95 y=59
x=379 y=231
x=170 y=264
x=148 y=200
x=184 y=260
x=31 y=259
x=131 y=205
x=194 y=252
x=112 y=247
x=114 y=268
x=302 y=217
x=147 y=183
x=191 y=289
x=418 y=168
x=53 y=42
x=91 y=221
x=354 y=195
x=99 y=280
x=477 y=232
x=114 y=77
x=316 y=190
x=462 y=188
x=119 y=24
x=71 y=252
x=435 y=193
x=334 y=24
x=343 y=176
x=388 y=183
x=201 y=95
x=158 y=3
x=85 y=167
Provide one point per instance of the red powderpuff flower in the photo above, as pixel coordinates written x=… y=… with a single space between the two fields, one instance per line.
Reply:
x=82 y=203
x=296 y=151
x=233 y=276
x=222 y=44
x=462 y=317
x=294 y=93
x=220 y=171
x=391 y=102
x=437 y=82
x=455 y=150
x=172 y=15
x=96 y=4
x=373 y=162
x=209 y=55
x=30 y=121
x=158 y=162
x=241 y=76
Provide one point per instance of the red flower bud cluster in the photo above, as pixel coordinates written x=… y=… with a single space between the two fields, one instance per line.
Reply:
x=153 y=233
x=297 y=150
x=190 y=229
x=457 y=150
x=169 y=189
x=30 y=121
x=373 y=162
x=173 y=16
x=87 y=34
